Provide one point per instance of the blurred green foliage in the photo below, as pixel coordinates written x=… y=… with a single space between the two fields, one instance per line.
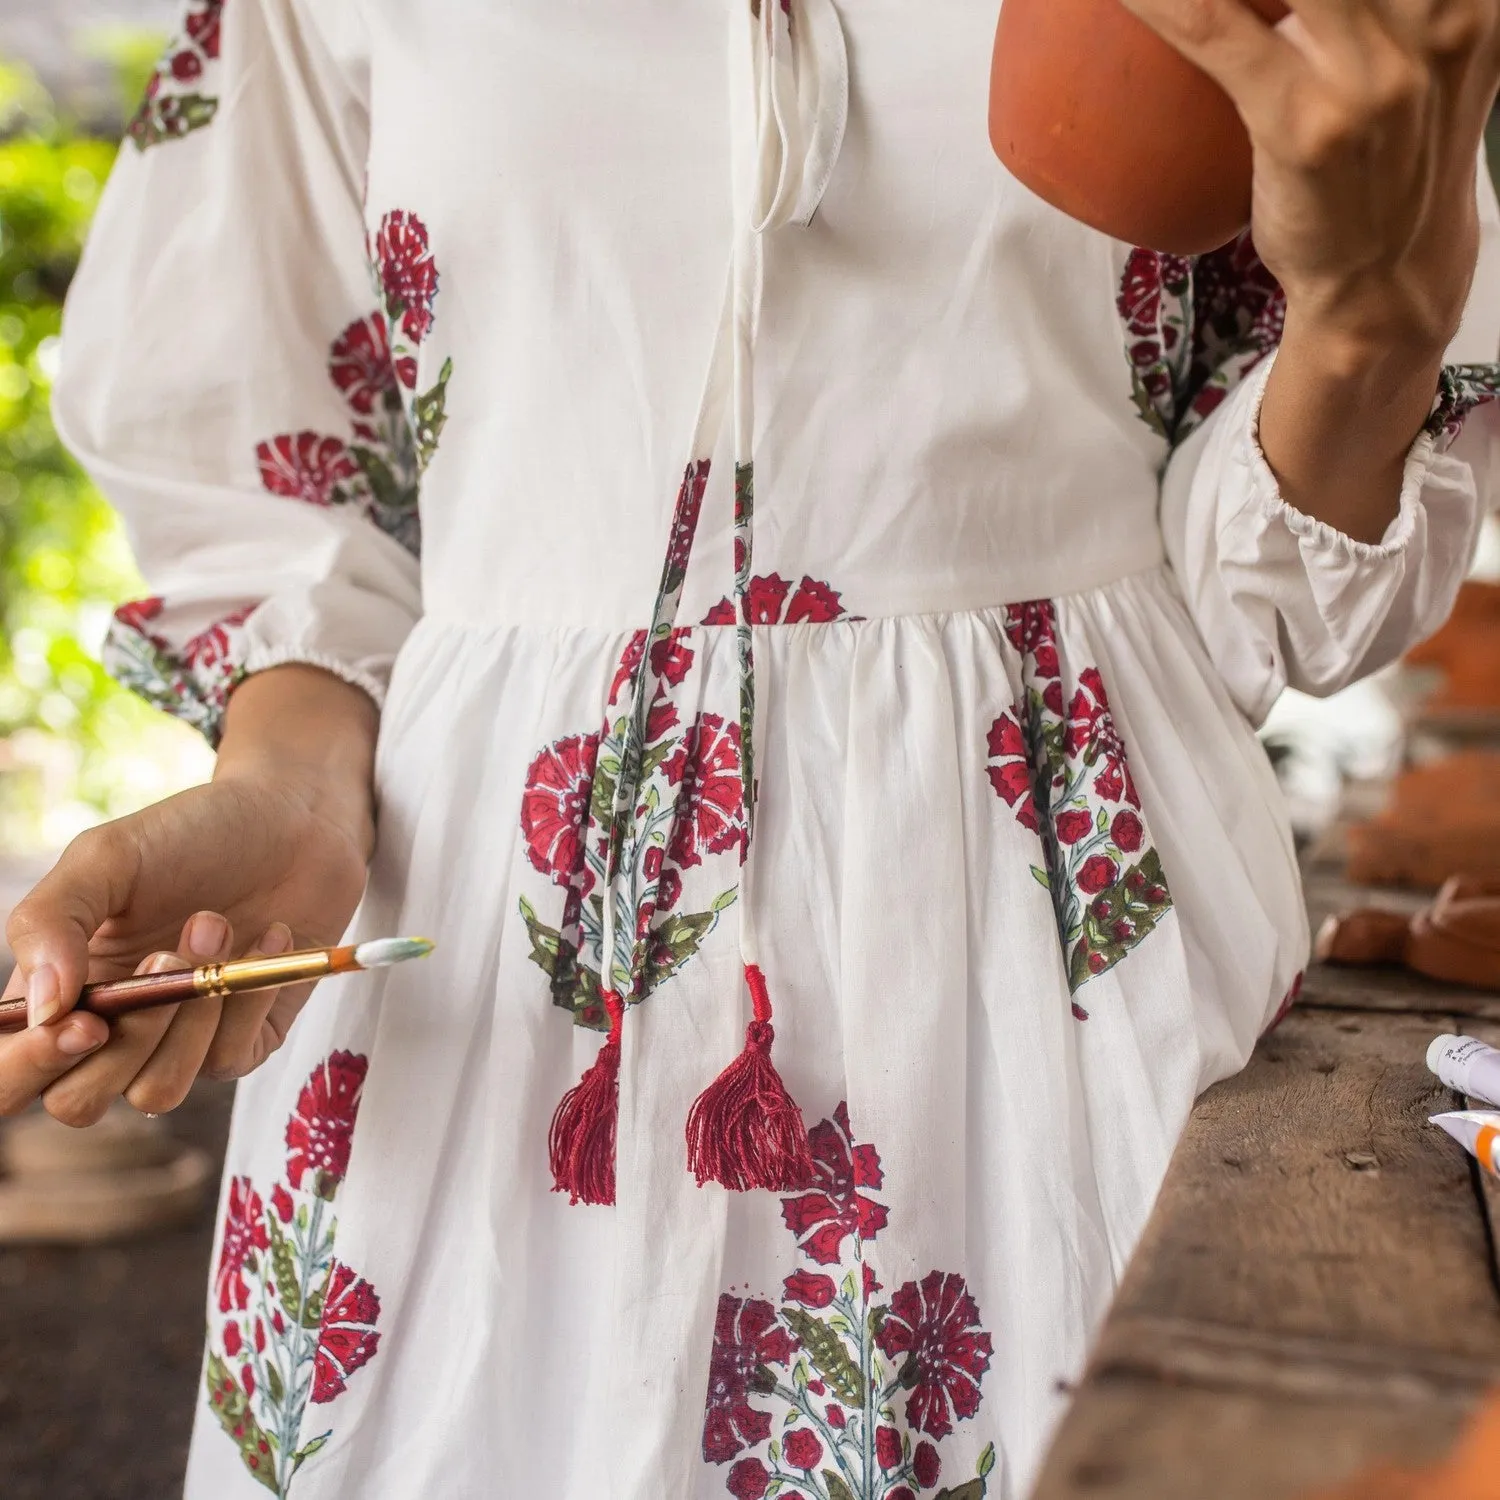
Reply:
x=70 y=740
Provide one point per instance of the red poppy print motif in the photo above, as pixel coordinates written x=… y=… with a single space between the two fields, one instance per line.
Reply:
x=374 y=468
x=1195 y=328
x=686 y=815
x=1057 y=760
x=321 y=1128
x=842 y=1393
x=770 y=599
x=347 y=1337
x=180 y=96
x=297 y=1324
x=191 y=680
x=304 y=466
x=749 y=1341
x=836 y=1209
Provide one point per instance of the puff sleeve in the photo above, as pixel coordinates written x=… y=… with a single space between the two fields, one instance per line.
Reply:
x=228 y=375
x=1284 y=600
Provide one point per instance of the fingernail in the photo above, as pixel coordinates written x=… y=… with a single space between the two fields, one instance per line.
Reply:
x=75 y=1039
x=163 y=963
x=43 y=995
x=278 y=939
x=206 y=934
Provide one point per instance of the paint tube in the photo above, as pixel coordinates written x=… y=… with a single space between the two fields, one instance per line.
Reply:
x=1468 y=1065
x=1477 y=1131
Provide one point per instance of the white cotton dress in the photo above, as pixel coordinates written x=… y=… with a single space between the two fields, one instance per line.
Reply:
x=1021 y=586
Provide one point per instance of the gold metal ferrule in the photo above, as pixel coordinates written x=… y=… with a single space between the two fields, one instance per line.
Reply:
x=260 y=973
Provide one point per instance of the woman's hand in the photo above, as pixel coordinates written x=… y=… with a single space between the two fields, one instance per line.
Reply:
x=1366 y=118
x=270 y=855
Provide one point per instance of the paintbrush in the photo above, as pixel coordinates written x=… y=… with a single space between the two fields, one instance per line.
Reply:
x=119 y=997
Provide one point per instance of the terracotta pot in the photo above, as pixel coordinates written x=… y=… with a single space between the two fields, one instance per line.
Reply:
x=1099 y=116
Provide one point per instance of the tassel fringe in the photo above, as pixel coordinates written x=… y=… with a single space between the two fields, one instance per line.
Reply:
x=581 y=1141
x=745 y=1131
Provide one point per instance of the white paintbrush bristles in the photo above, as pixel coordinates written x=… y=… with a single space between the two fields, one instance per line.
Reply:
x=381 y=952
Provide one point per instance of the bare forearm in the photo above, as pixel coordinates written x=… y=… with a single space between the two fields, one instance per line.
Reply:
x=306 y=727
x=1339 y=417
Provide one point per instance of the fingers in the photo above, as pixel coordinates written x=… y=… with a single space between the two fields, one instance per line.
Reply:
x=238 y=1046
x=34 y=1059
x=81 y=1096
x=49 y=932
x=1238 y=49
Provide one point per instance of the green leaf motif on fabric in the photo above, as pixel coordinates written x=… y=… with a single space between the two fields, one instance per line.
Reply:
x=1117 y=918
x=232 y=1407
x=973 y=1490
x=837 y=1489
x=828 y=1354
x=284 y=1269
x=169 y=118
x=430 y=416
x=307 y=1450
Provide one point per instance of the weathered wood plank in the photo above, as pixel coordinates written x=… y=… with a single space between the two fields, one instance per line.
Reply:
x=1309 y=1198
x=1132 y=1438
x=1314 y=1292
x=1338 y=987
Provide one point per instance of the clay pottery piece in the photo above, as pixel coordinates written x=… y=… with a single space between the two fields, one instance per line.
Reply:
x=1455 y=940
x=1466 y=651
x=1101 y=118
x=1442 y=819
x=122 y=1177
x=83 y=1208
x=36 y=1145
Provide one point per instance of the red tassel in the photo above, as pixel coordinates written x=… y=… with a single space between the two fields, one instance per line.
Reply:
x=581 y=1142
x=744 y=1130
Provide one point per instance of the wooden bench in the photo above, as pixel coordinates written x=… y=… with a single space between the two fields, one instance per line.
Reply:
x=1318 y=1286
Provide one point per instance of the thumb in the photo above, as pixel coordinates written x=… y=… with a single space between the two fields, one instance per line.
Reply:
x=50 y=931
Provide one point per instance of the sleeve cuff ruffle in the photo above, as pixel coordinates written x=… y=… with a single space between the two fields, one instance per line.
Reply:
x=1315 y=536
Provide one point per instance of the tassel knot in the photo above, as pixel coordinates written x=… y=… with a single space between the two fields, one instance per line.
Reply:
x=745 y=1131
x=581 y=1142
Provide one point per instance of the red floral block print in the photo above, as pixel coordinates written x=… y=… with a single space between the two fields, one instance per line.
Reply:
x=202 y=27
x=749 y=1479
x=932 y=1331
x=824 y=1218
x=555 y=806
x=802 y=1449
x=1010 y=775
x=926 y=1464
x=359 y=364
x=347 y=1338
x=770 y=600
x=684 y=524
x=305 y=466
x=828 y=1371
x=243 y=1235
x=710 y=812
x=191 y=681
x=1195 y=328
x=321 y=1129
x=748 y=1342
x=408 y=273
x=1065 y=775
x=175 y=103
x=297 y=1323
x=810 y=1289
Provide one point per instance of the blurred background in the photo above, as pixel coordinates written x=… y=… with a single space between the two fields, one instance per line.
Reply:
x=100 y=1343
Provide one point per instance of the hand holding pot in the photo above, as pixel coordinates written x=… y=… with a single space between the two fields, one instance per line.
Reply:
x=1365 y=118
